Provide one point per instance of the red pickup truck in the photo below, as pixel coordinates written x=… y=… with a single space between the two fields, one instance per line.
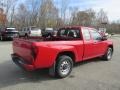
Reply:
x=59 y=53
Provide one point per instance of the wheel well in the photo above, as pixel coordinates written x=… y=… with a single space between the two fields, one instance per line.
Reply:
x=111 y=46
x=26 y=34
x=68 y=53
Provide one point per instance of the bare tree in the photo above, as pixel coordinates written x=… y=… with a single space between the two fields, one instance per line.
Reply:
x=102 y=18
x=9 y=8
x=44 y=13
x=22 y=16
x=64 y=8
x=48 y=14
x=12 y=15
x=114 y=27
x=84 y=18
x=74 y=11
x=3 y=18
x=33 y=6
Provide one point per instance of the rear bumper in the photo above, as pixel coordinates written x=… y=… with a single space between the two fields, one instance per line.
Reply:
x=21 y=63
x=9 y=37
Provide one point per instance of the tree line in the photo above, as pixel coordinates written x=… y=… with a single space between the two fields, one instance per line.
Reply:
x=45 y=13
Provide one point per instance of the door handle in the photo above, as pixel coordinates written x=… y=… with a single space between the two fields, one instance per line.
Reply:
x=95 y=43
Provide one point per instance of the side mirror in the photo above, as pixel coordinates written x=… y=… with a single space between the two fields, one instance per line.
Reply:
x=104 y=38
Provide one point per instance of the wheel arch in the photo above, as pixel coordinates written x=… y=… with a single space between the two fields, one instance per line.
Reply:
x=67 y=53
x=26 y=34
x=71 y=54
x=111 y=46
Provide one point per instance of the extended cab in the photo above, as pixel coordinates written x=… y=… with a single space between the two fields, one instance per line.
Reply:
x=71 y=45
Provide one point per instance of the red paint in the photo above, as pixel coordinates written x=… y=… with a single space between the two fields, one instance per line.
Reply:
x=42 y=54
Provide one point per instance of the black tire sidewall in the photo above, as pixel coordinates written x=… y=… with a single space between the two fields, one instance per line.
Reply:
x=111 y=53
x=1 y=38
x=105 y=57
x=59 y=61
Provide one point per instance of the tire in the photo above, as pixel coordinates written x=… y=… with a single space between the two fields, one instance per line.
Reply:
x=108 y=55
x=26 y=35
x=63 y=66
x=1 y=38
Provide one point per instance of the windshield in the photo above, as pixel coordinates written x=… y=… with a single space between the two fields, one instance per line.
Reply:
x=10 y=29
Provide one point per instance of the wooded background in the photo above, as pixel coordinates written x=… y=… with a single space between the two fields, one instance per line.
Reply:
x=45 y=13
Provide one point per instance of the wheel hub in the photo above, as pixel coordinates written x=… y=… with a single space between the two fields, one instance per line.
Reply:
x=65 y=67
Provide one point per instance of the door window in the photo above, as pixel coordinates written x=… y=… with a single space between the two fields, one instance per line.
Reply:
x=86 y=34
x=95 y=35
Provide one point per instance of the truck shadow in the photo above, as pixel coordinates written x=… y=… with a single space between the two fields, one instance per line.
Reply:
x=10 y=74
x=95 y=60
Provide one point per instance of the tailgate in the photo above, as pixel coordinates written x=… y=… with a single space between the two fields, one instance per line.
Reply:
x=36 y=32
x=23 y=49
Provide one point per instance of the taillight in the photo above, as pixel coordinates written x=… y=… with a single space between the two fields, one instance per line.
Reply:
x=34 y=51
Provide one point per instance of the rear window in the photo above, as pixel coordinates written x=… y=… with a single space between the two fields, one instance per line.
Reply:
x=69 y=33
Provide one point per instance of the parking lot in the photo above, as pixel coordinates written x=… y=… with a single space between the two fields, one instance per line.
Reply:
x=90 y=75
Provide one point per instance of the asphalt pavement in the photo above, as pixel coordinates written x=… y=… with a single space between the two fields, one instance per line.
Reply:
x=89 y=75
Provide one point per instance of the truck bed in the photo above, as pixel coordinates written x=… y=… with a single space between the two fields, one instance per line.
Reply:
x=38 y=39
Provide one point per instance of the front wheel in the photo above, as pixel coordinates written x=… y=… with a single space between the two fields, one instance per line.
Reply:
x=64 y=66
x=108 y=54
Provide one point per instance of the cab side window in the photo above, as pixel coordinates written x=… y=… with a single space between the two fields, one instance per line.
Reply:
x=95 y=35
x=86 y=34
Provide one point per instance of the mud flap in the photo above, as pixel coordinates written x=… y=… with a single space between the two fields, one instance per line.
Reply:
x=52 y=70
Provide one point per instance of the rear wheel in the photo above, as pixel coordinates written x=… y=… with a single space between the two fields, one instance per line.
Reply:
x=64 y=66
x=108 y=54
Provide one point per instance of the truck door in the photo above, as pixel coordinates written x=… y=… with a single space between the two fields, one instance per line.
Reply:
x=88 y=44
x=99 y=45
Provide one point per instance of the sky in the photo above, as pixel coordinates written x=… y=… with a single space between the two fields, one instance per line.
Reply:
x=111 y=7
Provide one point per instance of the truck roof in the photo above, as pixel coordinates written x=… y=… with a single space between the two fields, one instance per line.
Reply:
x=77 y=27
x=10 y=28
